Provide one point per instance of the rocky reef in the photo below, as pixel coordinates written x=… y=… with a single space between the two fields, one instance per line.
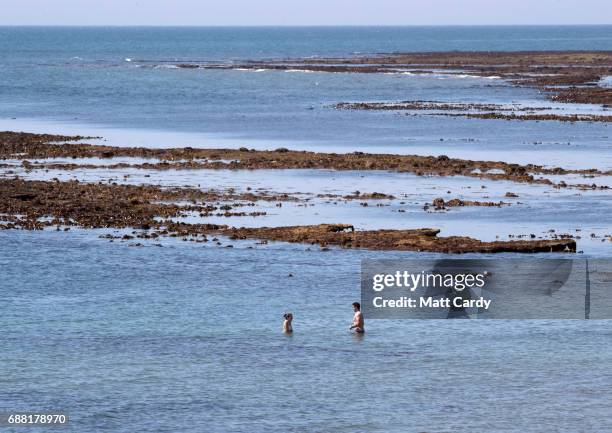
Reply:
x=39 y=204
x=565 y=76
x=29 y=147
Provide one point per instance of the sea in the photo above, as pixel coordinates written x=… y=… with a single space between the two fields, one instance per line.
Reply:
x=187 y=337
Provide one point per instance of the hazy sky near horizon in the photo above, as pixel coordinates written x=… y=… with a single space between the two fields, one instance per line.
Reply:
x=299 y=12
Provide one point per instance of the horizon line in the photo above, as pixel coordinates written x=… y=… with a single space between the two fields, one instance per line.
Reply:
x=309 y=25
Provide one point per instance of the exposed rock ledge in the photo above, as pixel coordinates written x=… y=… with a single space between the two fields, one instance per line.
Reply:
x=40 y=204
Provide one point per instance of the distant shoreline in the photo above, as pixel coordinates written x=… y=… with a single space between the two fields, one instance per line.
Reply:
x=564 y=76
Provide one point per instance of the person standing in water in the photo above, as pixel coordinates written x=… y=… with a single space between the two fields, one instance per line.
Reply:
x=358 y=323
x=287 y=328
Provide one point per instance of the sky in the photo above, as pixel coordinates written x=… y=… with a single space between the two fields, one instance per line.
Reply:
x=301 y=12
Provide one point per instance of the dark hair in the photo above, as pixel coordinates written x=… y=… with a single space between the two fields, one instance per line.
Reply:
x=357 y=304
x=286 y=315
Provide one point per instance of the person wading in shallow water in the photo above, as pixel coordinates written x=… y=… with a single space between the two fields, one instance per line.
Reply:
x=287 y=328
x=358 y=324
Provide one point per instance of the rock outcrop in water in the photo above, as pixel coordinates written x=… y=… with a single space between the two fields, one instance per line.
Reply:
x=474 y=111
x=40 y=204
x=566 y=76
x=425 y=239
x=440 y=204
x=32 y=146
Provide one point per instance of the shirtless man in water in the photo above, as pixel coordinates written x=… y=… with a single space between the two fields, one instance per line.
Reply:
x=358 y=324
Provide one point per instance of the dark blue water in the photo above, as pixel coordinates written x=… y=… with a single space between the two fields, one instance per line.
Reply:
x=81 y=76
x=224 y=43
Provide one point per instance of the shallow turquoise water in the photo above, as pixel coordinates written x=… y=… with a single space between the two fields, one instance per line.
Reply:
x=188 y=337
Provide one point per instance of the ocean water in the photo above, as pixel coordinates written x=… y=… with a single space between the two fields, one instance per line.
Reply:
x=81 y=79
x=187 y=337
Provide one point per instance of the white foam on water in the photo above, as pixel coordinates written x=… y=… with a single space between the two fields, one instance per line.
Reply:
x=606 y=81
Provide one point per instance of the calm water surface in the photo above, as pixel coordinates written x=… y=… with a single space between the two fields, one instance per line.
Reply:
x=81 y=78
x=185 y=336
